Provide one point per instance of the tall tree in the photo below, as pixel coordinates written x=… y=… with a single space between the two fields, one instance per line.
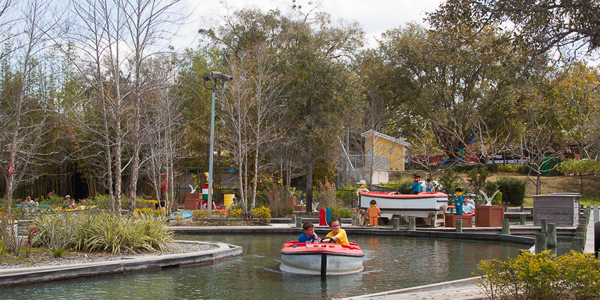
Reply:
x=147 y=23
x=544 y=24
x=23 y=99
x=577 y=102
x=322 y=88
x=451 y=78
x=113 y=40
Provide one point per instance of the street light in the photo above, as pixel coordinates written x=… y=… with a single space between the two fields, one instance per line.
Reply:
x=219 y=80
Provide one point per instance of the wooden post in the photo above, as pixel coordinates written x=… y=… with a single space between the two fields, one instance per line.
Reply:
x=458 y=225
x=396 y=223
x=505 y=226
x=596 y=214
x=581 y=232
x=544 y=226
x=412 y=223
x=578 y=244
x=552 y=235
x=522 y=216
x=540 y=243
x=298 y=222
x=294 y=219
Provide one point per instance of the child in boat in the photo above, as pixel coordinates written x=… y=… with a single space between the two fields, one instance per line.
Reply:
x=309 y=235
x=468 y=208
x=373 y=212
x=337 y=234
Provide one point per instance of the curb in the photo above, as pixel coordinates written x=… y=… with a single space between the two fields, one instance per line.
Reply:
x=18 y=276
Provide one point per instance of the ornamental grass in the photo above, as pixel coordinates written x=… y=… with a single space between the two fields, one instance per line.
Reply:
x=103 y=231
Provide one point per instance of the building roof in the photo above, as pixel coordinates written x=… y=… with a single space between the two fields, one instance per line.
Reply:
x=384 y=136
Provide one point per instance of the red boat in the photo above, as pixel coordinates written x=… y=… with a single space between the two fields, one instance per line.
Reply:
x=321 y=258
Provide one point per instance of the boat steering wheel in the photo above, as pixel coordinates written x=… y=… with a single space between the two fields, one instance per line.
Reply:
x=331 y=240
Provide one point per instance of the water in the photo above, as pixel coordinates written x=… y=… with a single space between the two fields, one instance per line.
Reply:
x=391 y=262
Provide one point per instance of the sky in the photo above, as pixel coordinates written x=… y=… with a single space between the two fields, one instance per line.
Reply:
x=374 y=16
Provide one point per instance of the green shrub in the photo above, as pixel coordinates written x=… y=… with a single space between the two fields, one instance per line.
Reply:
x=234 y=213
x=58 y=252
x=200 y=215
x=347 y=195
x=497 y=199
x=492 y=168
x=262 y=215
x=477 y=178
x=450 y=180
x=341 y=212
x=490 y=188
x=511 y=168
x=542 y=276
x=103 y=202
x=513 y=190
x=403 y=187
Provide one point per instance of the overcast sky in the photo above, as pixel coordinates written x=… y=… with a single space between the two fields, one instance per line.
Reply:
x=375 y=16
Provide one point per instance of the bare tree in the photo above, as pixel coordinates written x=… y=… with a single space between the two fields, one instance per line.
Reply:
x=235 y=108
x=21 y=117
x=251 y=111
x=267 y=108
x=163 y=129
x=538 y=148
x=113 y=39
x=147 y=22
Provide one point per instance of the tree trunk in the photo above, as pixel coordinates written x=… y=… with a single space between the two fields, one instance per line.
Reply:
x=309 y=185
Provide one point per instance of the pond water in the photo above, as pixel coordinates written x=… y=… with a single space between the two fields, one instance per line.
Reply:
x=391 y=262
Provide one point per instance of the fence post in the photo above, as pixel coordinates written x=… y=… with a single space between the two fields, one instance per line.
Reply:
x=540 y=243
x=458 y=225
x=544 y=226
x=505 y=226
x=552 y=235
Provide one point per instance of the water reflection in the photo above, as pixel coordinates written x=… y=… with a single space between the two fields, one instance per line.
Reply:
x=390 y=263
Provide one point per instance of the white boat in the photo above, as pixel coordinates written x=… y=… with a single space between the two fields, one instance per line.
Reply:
x=425 y=205
x=321 y=258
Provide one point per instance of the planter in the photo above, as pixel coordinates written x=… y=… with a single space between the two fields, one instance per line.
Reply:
x=450 y=220
x=489 y=216
x=192 y=200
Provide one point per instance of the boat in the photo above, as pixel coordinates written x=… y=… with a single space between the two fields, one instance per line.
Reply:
x=425 y=205
x=321 y=258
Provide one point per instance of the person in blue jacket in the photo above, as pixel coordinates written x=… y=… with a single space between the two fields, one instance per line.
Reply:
x=309 y=235
x=416 y=187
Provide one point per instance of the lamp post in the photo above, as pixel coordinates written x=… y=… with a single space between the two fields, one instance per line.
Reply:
x=218 y=80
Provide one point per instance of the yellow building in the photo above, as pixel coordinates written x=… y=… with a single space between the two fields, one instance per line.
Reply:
x=386 y=152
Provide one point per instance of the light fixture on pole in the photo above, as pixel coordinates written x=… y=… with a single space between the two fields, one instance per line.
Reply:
x=218 y=80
